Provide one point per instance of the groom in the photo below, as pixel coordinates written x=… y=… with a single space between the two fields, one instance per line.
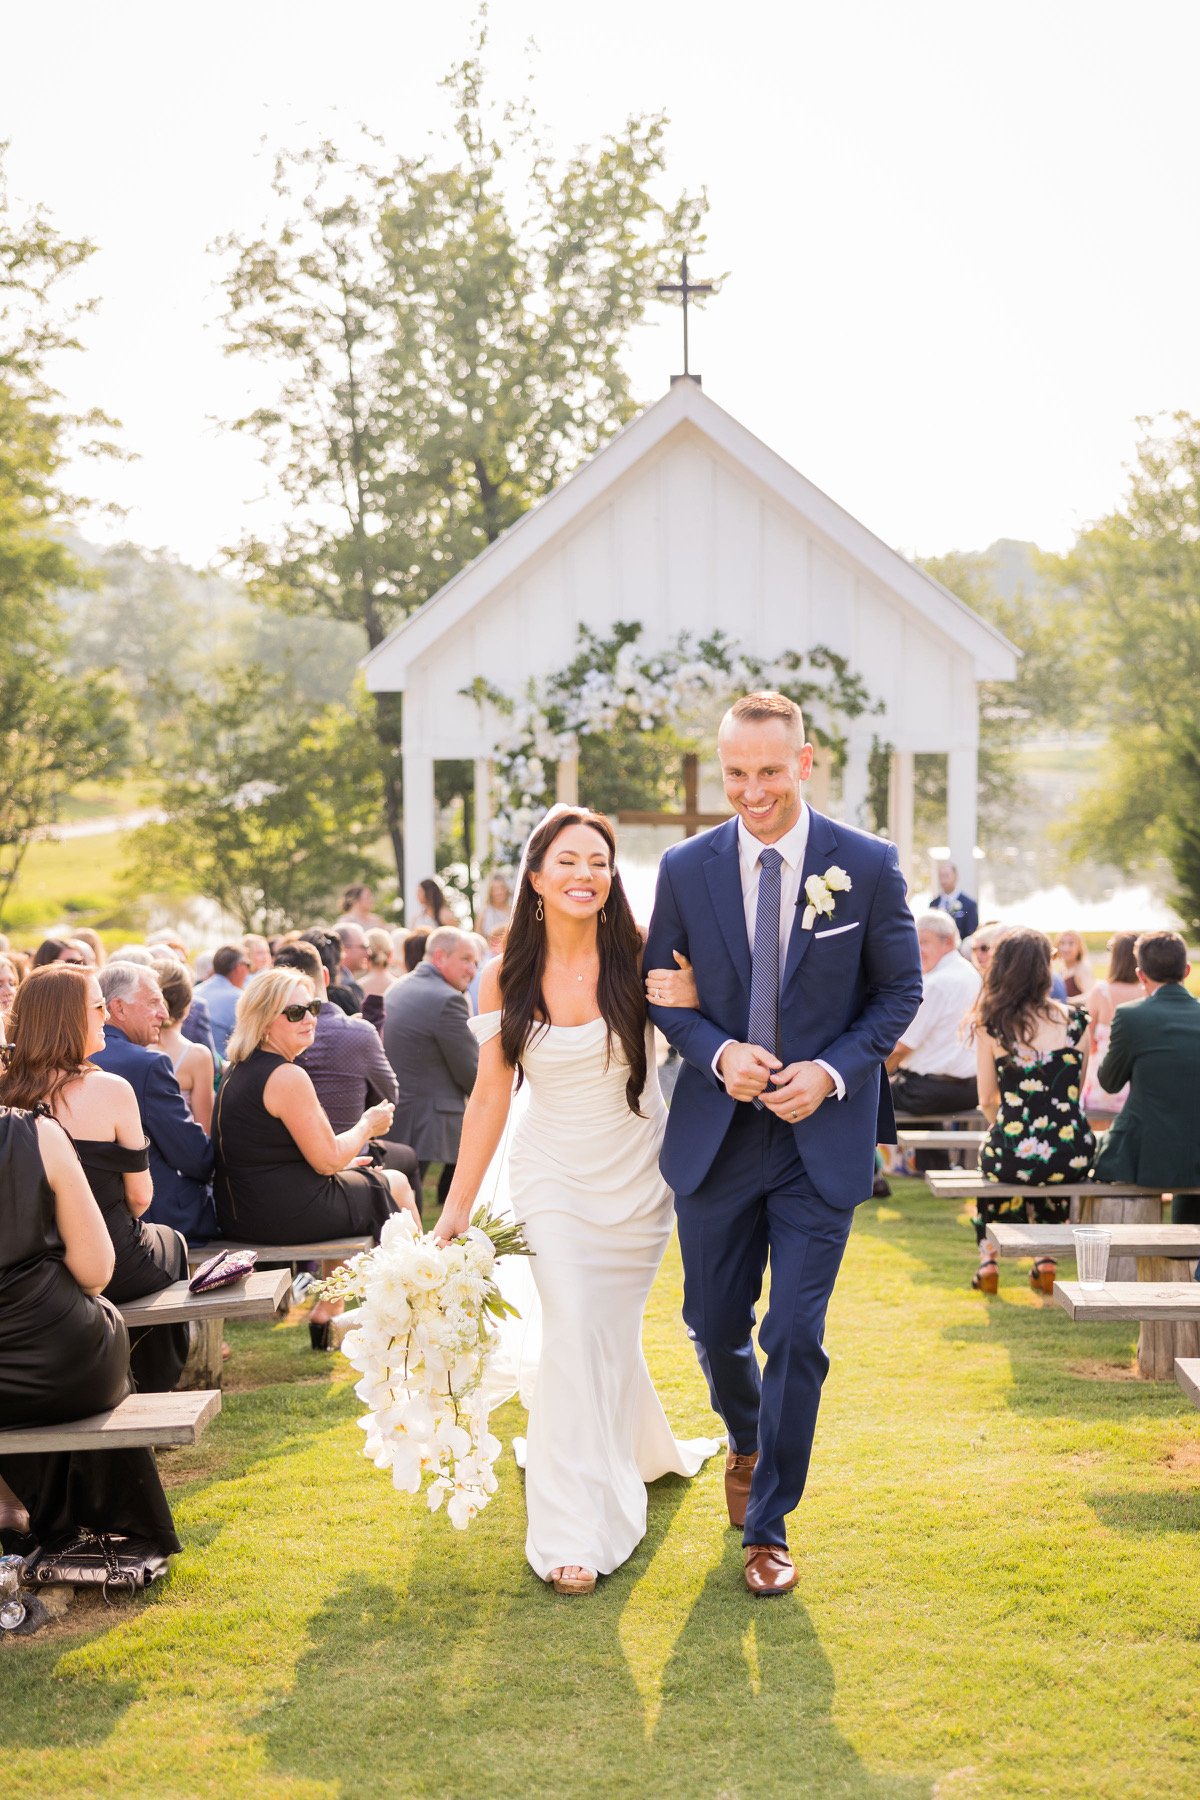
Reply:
x=808 y=971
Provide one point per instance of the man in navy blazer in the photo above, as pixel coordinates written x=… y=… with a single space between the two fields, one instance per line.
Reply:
x=807 y=967
x=181 y=1154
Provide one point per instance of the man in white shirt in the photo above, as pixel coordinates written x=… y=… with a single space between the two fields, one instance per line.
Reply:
x=933 y=1066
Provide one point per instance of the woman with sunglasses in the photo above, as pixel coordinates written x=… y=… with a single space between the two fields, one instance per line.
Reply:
x=283 y=1175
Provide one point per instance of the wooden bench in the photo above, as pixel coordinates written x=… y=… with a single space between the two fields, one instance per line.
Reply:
x=1089 y=1202
x=1148 y=1244
x=971 y=1116
x=261 y=1295
x=1168 y=1313
x=939 y=1140
x=153 y=1420
x=325 y=1250
x=205 y=1367
x=1187 y=1374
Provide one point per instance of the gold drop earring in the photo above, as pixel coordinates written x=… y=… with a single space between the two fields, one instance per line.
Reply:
x=540 y=914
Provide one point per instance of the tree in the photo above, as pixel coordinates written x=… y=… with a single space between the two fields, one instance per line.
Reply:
x=441 y=363
x=1181 y=802
x=1047 y=694
x=54 y=731
x=268 y=807
x=1134 y=580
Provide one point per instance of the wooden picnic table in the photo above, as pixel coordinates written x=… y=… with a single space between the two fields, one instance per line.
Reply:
x=1168 y=1313
x=1089 y=1202
x=1187 y=1374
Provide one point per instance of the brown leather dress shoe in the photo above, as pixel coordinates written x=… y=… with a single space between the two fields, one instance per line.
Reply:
x=738 y=1470
x=769 y=1570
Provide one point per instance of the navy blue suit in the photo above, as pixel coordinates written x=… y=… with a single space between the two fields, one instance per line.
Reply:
x=181 y=1154
x=749 y=1185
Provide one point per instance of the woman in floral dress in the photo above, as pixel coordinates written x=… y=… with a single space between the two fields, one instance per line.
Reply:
x=1031 y=1059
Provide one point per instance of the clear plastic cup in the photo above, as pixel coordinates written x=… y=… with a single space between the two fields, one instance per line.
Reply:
x=1091 y=1254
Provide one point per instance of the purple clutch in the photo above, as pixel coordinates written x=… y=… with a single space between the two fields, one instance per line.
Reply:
x=222 y=1270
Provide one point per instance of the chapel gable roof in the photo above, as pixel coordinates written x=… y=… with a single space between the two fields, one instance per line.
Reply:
x=684 y=408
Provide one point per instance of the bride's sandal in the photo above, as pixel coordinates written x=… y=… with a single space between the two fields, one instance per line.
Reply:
x=574 y=1584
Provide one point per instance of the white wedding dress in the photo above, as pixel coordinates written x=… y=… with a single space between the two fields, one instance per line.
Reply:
x=583 y=1179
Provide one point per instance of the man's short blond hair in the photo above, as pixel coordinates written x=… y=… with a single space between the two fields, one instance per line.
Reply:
x=762 y=708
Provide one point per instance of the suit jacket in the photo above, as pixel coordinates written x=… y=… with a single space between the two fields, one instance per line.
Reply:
x=962 y=909
x=1155 y=1047
x=850 y=986
x=197 y=1028
x=181 y=1154
x=429 y=1044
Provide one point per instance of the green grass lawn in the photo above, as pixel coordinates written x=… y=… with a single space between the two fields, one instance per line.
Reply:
x=71 y=880
x=998 y=1590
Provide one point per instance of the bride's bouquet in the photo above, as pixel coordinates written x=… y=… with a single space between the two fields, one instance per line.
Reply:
x=423 y=1342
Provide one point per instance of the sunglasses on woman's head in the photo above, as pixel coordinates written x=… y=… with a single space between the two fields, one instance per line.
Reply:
x=294 y=1014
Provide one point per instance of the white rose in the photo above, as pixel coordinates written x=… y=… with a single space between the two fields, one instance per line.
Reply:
x=838 y=880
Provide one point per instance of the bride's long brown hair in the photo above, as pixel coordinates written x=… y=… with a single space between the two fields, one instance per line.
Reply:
x=619 y=995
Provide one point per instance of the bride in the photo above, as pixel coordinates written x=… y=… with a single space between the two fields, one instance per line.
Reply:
x=565 y=1009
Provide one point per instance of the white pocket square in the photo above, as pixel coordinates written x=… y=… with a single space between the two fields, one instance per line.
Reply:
x=837 y=930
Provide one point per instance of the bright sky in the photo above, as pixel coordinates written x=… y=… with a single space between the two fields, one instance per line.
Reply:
x=962 y=237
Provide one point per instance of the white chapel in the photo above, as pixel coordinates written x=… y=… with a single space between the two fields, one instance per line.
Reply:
x=687 y=522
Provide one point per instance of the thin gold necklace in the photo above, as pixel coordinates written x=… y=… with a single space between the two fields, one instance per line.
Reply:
x=555 y=962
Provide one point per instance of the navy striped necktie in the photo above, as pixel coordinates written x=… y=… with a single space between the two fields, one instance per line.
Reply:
x=763 y=1025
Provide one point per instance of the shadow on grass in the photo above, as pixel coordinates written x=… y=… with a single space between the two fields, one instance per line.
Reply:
x=454 y=1686
x=47 y=1708
x=1146 y=1514
x=1039 y=1340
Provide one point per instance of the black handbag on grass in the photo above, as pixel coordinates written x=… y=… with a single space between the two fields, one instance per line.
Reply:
x=117 y=1565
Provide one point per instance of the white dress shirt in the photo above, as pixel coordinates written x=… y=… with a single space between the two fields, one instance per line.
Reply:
x=937 y=1040
x=791 y=847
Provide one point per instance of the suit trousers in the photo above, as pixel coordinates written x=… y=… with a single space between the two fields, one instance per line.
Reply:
x=757 y=1205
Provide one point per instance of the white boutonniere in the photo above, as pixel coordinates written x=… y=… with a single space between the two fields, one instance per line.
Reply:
x=820 y=890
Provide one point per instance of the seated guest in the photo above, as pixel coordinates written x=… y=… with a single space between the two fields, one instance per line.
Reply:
x=356 y=958
x=193 y=1063
x=64 y=1354
x=346 y=1064
x=85 y=935
x=413 y=948
x=1031 y=1057
x=223 y=989
x=181 y=1156
x=1155 y=1047
x=377 y=977
x=951 y=900
x=54 y=950
x=1119 y=988
x=329 y=948
x=933 y=1065
x=430 y=1045
x=283 y=1174
x=258 y=952
x=57 y=1028
x=1074 y=965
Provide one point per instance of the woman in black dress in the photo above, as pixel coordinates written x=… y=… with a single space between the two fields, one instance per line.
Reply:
x=64 y=1354
x=57 y=1023
x=1031 y=1058
x=283 y=1175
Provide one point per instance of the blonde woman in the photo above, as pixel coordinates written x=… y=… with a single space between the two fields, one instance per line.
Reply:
x=377 y=977
x=283 y=1175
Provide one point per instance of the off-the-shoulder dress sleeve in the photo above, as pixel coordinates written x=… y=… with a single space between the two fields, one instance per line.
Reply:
x=486 y=1026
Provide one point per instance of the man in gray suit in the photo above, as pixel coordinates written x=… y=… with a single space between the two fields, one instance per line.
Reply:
x=429 y=1044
